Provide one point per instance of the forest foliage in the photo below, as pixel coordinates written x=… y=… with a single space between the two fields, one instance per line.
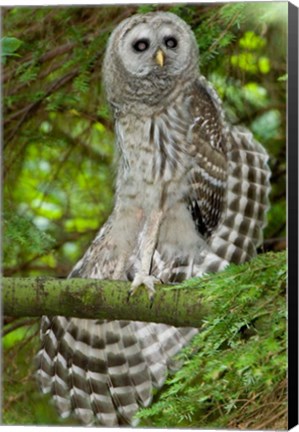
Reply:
x=58 y=138
x=234 y=372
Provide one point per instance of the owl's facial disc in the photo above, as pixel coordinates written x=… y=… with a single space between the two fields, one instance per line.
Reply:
x=156 y=48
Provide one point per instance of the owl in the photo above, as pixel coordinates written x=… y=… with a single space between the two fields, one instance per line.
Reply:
x=191 y=197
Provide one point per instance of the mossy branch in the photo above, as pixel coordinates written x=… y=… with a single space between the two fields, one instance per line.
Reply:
x=180 y=305
x=98 y=299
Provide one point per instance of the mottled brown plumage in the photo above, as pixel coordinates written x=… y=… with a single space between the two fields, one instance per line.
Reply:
x=191 y=196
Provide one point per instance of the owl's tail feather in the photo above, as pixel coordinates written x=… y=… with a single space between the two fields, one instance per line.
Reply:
x=104 y=371
x=52 y=362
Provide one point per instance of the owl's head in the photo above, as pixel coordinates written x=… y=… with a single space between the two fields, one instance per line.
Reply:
x=147 y=55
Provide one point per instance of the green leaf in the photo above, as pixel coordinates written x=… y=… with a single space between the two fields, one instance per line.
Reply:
x=10 y=45
x=264 y=65
x=252 y=41
x=283 y=78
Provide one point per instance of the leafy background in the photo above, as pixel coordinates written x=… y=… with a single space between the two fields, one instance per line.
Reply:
x=59 y=171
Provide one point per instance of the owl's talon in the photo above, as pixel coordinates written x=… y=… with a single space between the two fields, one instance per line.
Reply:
x=151 y=299
x=148 y=281
x=129 y=295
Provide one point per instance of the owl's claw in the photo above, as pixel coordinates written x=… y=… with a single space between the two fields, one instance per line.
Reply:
x=146 y=280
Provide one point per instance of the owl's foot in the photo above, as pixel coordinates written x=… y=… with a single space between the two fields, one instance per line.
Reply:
x=148 y=281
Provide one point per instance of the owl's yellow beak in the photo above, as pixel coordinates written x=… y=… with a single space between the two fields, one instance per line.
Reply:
x=160 y=58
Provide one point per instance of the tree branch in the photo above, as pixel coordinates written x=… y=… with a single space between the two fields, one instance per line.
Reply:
x=54 y=86
x=179 y=305
x=99 y=299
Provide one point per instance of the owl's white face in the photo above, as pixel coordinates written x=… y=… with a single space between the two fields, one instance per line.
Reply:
x=149 y=58
x=156 y=47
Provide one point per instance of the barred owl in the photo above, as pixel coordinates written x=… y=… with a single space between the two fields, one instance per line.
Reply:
x=191 y=197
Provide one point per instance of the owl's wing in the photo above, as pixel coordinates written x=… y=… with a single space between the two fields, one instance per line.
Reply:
x=208 y=178
x=230 y=181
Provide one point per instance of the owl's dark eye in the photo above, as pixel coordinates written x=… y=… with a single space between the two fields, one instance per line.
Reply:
x=170 y=42
x=141 y=45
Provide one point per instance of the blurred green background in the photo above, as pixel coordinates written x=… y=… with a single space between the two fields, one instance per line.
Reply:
x=58 y=165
